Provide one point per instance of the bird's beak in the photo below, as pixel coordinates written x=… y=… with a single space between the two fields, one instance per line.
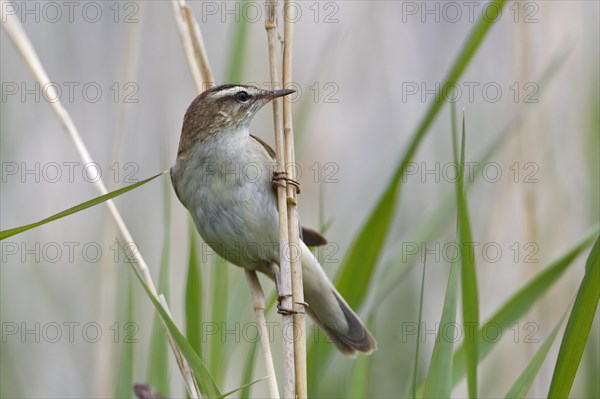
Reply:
x=278 y=93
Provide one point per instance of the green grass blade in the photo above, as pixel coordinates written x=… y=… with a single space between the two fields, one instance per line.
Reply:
x=359 y=264
x=126 y=361
x=356 y=271
x=523 y=383
x=193 y=297
x=248 y=370
x=77 y=208
x=392 y=274
x=158 y=362
x=235 y=70
x=357 y=268
x=470 y=300
x=520 y=303
x=438 y=383
x=248 y=385
x=359 y=385
x=319 y=357
x=361 y=375
x=578 y=327
x=592 y=260
x=219 y=315
x=419 y=322
x=592 y=365
x=205 y=381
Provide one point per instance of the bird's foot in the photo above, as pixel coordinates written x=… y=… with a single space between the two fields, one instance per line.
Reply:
x=287 y=311
x=282 y=179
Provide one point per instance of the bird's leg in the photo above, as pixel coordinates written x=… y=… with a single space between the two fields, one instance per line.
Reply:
x=273 y=268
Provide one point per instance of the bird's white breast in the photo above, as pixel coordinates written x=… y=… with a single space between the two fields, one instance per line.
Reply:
x=225 y=183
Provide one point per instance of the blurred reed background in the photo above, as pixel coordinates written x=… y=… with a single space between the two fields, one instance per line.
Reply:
x=366 y=73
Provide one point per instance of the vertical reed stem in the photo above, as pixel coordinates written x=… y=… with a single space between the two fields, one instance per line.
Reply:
x=294 y=228
x=285 y=287
x=258 y=299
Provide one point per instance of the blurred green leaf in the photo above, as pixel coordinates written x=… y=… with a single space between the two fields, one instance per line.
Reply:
x=419 y=323
x=205 y=381
x=392 y=274
x=158 y=362
x=319 y=357
x=357 y=267
x=523 y=383
x=578 y=327
x=592 y=365
x=193 y=296
x=219 y=315
x=248 y=370
x=248 y=385
x=87 y=204
x=470 y=298
x=361 y=375
x=359 y=383
x=356 y=271
x=235 y=69
x=126 y=361
x=520 y=303
x=438 y=383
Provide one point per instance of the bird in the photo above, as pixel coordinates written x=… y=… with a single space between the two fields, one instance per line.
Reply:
x=223 y=175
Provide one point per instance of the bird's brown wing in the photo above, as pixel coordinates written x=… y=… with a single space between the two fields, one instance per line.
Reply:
x=270 y=151
x=310 y=237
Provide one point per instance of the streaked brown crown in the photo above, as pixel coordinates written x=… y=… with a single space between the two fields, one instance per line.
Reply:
x=222 y=108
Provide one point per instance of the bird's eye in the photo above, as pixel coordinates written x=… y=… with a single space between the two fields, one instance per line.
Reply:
x=242 y=96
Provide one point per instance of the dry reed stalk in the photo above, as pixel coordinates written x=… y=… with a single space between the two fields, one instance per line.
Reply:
x=193 y=46
x=285 y=286
x=17 y=35
x=294 y=228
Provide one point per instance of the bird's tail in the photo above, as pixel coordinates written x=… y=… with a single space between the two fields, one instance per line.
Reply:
x=331 y=312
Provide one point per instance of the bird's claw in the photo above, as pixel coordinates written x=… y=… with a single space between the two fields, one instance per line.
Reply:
x=282 y=179
x=287 y=311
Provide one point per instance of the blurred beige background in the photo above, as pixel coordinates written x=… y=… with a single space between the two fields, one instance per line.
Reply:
x=358 y=64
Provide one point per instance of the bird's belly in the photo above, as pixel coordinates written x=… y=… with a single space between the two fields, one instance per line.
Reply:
x=238 y=220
